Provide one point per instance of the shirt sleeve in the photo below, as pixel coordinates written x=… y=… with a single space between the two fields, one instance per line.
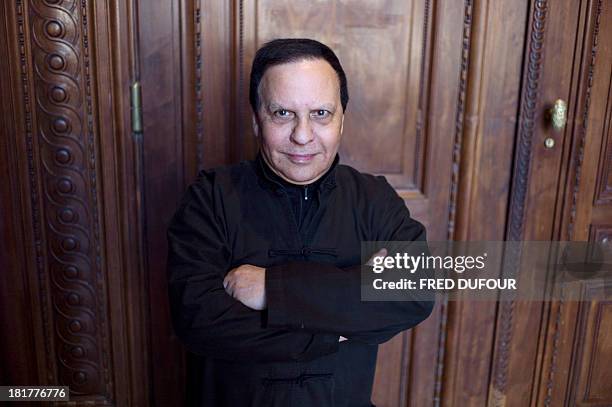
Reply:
x=320 y=297
x=207 y=319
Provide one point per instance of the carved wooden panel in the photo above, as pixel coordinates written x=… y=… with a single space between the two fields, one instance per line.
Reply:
x=604 y=189
x=63 y=163
x=600 y=233
x=591 y=162
x=594 y=353
x=70 y=156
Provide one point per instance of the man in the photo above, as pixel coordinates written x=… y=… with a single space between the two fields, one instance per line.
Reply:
x=264 y=256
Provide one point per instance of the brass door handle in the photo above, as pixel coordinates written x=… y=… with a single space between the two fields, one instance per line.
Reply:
x=558 y=114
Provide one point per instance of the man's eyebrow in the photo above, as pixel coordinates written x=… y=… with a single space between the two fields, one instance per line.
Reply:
x=274 y=106
x=328 y=106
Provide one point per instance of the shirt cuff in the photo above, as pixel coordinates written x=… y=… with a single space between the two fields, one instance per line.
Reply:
x=276 y=300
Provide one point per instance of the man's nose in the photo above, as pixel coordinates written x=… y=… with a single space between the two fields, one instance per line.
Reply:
x=302 y=132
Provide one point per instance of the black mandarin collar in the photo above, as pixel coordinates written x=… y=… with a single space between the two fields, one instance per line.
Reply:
x=273 y=180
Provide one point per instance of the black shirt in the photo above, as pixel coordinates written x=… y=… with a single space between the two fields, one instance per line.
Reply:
x=288 y=354
x=304 y=198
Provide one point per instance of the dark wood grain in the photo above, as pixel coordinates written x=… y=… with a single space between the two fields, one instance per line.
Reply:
x=576 y=347
x=448 y=101
x=63 y=291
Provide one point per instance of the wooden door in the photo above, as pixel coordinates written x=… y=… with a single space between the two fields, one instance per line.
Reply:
x=545 y=354
x=462 y=87
x=390 y=105
x=575 y=334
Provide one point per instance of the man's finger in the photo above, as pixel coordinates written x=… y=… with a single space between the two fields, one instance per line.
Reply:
x=228 y=285
x=381 y=253
x=227 y=281
x=228 y=278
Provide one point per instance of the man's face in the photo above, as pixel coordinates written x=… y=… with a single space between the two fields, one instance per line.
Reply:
x=299 y=121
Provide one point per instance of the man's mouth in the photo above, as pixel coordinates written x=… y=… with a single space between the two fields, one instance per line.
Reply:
x=300 y=158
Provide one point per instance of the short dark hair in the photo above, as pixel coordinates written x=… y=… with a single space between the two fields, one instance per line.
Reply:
x=286 y=50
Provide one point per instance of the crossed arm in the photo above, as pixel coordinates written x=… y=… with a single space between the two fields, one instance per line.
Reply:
x=247 y=284
x=293 y=311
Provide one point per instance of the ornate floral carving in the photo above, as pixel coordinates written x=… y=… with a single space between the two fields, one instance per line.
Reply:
x=62 y=160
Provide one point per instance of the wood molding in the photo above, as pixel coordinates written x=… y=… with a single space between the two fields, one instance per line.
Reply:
x=63 y=187
x=459 y=116
x=520 y=181
x=21 y=361
x=423 y=101
x=454 y=189
x=243 y=52
x=198 y=86
x=579 y=156
x=527 y=116
x=556 y=335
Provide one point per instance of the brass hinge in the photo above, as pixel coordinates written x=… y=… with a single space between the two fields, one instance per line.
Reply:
x=136 y=102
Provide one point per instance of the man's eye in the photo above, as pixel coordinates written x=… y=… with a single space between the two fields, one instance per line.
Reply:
x=282 y=113
x=321 y=114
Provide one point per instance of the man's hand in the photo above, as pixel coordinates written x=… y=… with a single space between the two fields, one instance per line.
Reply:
x=247 y=284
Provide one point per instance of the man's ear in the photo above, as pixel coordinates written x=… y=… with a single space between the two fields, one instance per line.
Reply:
x=342 y=124
x=255 y=125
